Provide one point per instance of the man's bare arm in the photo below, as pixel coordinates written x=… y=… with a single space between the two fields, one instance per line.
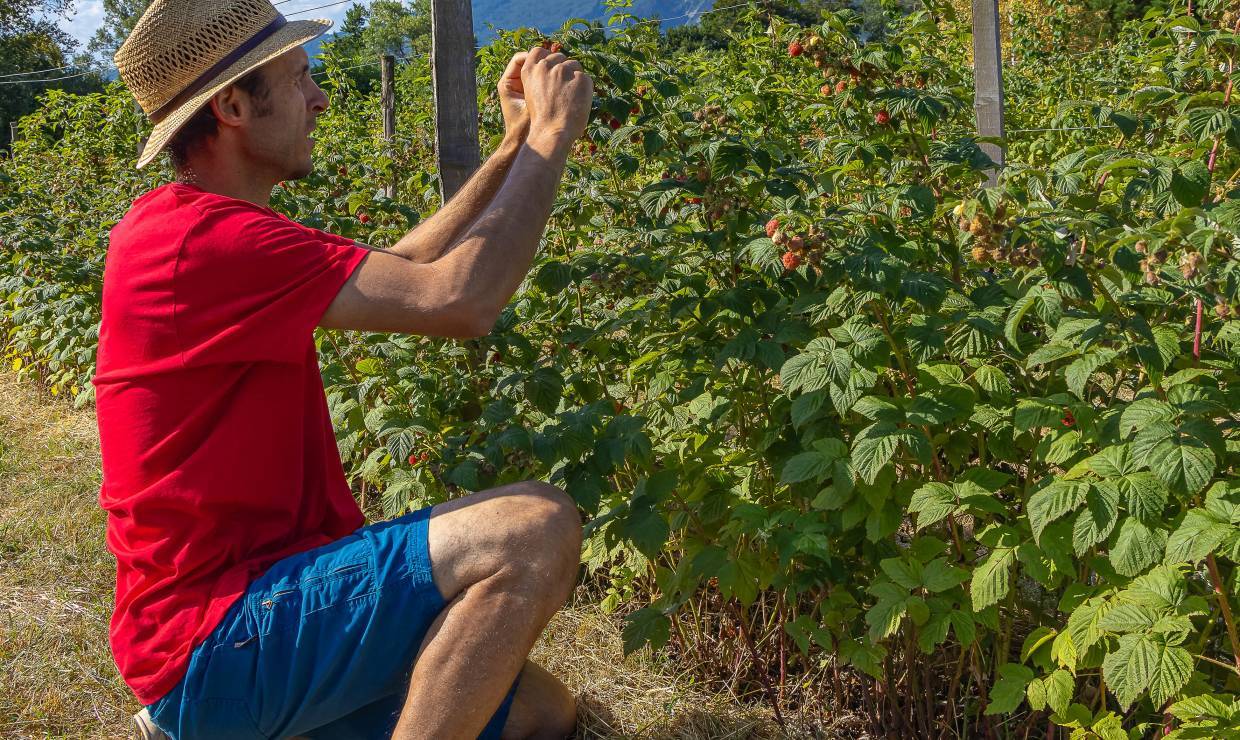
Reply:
x=435 y=236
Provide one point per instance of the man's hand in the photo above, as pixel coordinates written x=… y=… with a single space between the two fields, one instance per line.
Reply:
x=512 y=100
x=557 y=94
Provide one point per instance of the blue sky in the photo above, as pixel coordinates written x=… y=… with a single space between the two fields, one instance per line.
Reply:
x=89 y=13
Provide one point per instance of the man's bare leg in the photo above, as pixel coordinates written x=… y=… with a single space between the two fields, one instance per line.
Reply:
x=505 y=560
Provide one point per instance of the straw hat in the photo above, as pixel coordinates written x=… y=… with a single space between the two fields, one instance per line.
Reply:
x=182 y=52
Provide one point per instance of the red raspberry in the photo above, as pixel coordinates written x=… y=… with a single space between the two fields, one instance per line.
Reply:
x=363 y=218
x=593 y=147
x=826 y=90
x=696 y=201
x=795 y=49
x=771 y=227
x=791 y=261
x=556 y=47
x=496 y=357
x=1068 y=419
x=614 y=124
x=882 y=118
x=841 y=87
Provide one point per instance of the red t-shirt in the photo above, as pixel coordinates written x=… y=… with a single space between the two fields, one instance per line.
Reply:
x=219 y=457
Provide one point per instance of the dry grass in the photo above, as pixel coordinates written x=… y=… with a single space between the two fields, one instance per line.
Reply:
x=57 y=677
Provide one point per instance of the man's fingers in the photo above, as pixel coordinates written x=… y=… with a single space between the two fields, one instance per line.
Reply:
x=515 y=64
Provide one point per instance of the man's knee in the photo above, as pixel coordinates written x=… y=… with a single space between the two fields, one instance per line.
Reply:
x=550 y=538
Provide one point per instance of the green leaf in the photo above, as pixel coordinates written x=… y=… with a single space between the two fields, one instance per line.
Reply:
x=931 y=503
x=1182 y=461
x=1190 y=183
x=1009 y=690
x=1197 y=536
x=1112 y=462
x=1143 y=412
x=1060 y=686
x=1143 y=661
x=939 y=576
x=873 y=448
x=814 y=466
x=645 y=626
x=544 y=387
x=1052 y=502
x=1145 y=496
x=1078 y=373
x=1137 y=548
x=1098 y=519
x=992 y=579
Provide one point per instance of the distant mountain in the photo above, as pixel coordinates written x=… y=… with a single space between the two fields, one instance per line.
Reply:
x=549 y=15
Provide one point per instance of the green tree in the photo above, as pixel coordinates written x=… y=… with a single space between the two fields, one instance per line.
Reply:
x=119 y=18
x=402 y=29
x=30 y=41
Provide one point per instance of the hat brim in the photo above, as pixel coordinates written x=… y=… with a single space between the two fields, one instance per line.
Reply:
x=291 y=36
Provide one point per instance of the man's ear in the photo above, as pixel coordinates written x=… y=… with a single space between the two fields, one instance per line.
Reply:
x=228 y=106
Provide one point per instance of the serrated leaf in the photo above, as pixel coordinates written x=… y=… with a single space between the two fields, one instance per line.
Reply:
x=931 y=504
x=1054 y=501
x=1095 y=523
x=1009 y=690
x=992 y=578
x=1060 y=687
x=1181 y=460
x=643 y=627
x=1137 y=547
x=1078 y=373
x=1199 y=534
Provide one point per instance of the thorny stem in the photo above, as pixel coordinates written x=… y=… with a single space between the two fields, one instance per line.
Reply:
x=1225 y=605
x=757 y=660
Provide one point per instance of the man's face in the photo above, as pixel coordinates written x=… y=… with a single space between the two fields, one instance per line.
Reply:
x=281 y=140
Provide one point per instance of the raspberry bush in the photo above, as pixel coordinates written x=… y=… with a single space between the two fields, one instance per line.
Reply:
x=849 y=428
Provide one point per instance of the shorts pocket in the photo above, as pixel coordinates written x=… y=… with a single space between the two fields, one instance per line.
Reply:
x=287 y=603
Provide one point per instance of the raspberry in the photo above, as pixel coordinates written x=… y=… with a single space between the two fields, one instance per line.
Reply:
x=695 y=201
x=882 y=118
x=791 y=261
x=826 y=90
x=614 y=124
x=795 y=49
x=363 y=218
x=771 y=227
x=593 y=148
x=840 y=87
x=1068 y=419
x=980 y=254
x=556 y=47
x=796 y=244
x=617 y=407
x=496 y=357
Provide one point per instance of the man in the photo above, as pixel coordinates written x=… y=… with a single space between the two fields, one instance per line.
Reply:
x=251 y=602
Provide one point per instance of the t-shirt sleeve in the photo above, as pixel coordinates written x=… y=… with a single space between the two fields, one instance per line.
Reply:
x=252 y=287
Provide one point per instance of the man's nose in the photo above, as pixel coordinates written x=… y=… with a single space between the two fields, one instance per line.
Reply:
x=319 y=102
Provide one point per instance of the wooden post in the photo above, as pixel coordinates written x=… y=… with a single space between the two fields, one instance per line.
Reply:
x=456 y=93
x=141 y=115
x=988 y=78
x=388 y=75
x=12 y=136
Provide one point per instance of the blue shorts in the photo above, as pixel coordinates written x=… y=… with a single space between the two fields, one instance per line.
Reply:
x=321 y=645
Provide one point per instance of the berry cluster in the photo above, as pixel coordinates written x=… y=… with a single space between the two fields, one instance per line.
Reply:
x=1151 y=263
x=799 y=248
x=712 y=116
x=988 y=243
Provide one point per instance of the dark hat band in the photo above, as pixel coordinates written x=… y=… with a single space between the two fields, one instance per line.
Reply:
x=206 y=77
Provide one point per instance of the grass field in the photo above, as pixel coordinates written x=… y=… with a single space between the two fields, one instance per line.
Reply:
x=57 y=678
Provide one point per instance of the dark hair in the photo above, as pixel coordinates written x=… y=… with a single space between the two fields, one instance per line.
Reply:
x=203 y=125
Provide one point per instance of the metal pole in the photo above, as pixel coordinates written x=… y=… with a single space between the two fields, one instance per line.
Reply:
x=988 y=79
x=456 y=93
x=388 y=67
